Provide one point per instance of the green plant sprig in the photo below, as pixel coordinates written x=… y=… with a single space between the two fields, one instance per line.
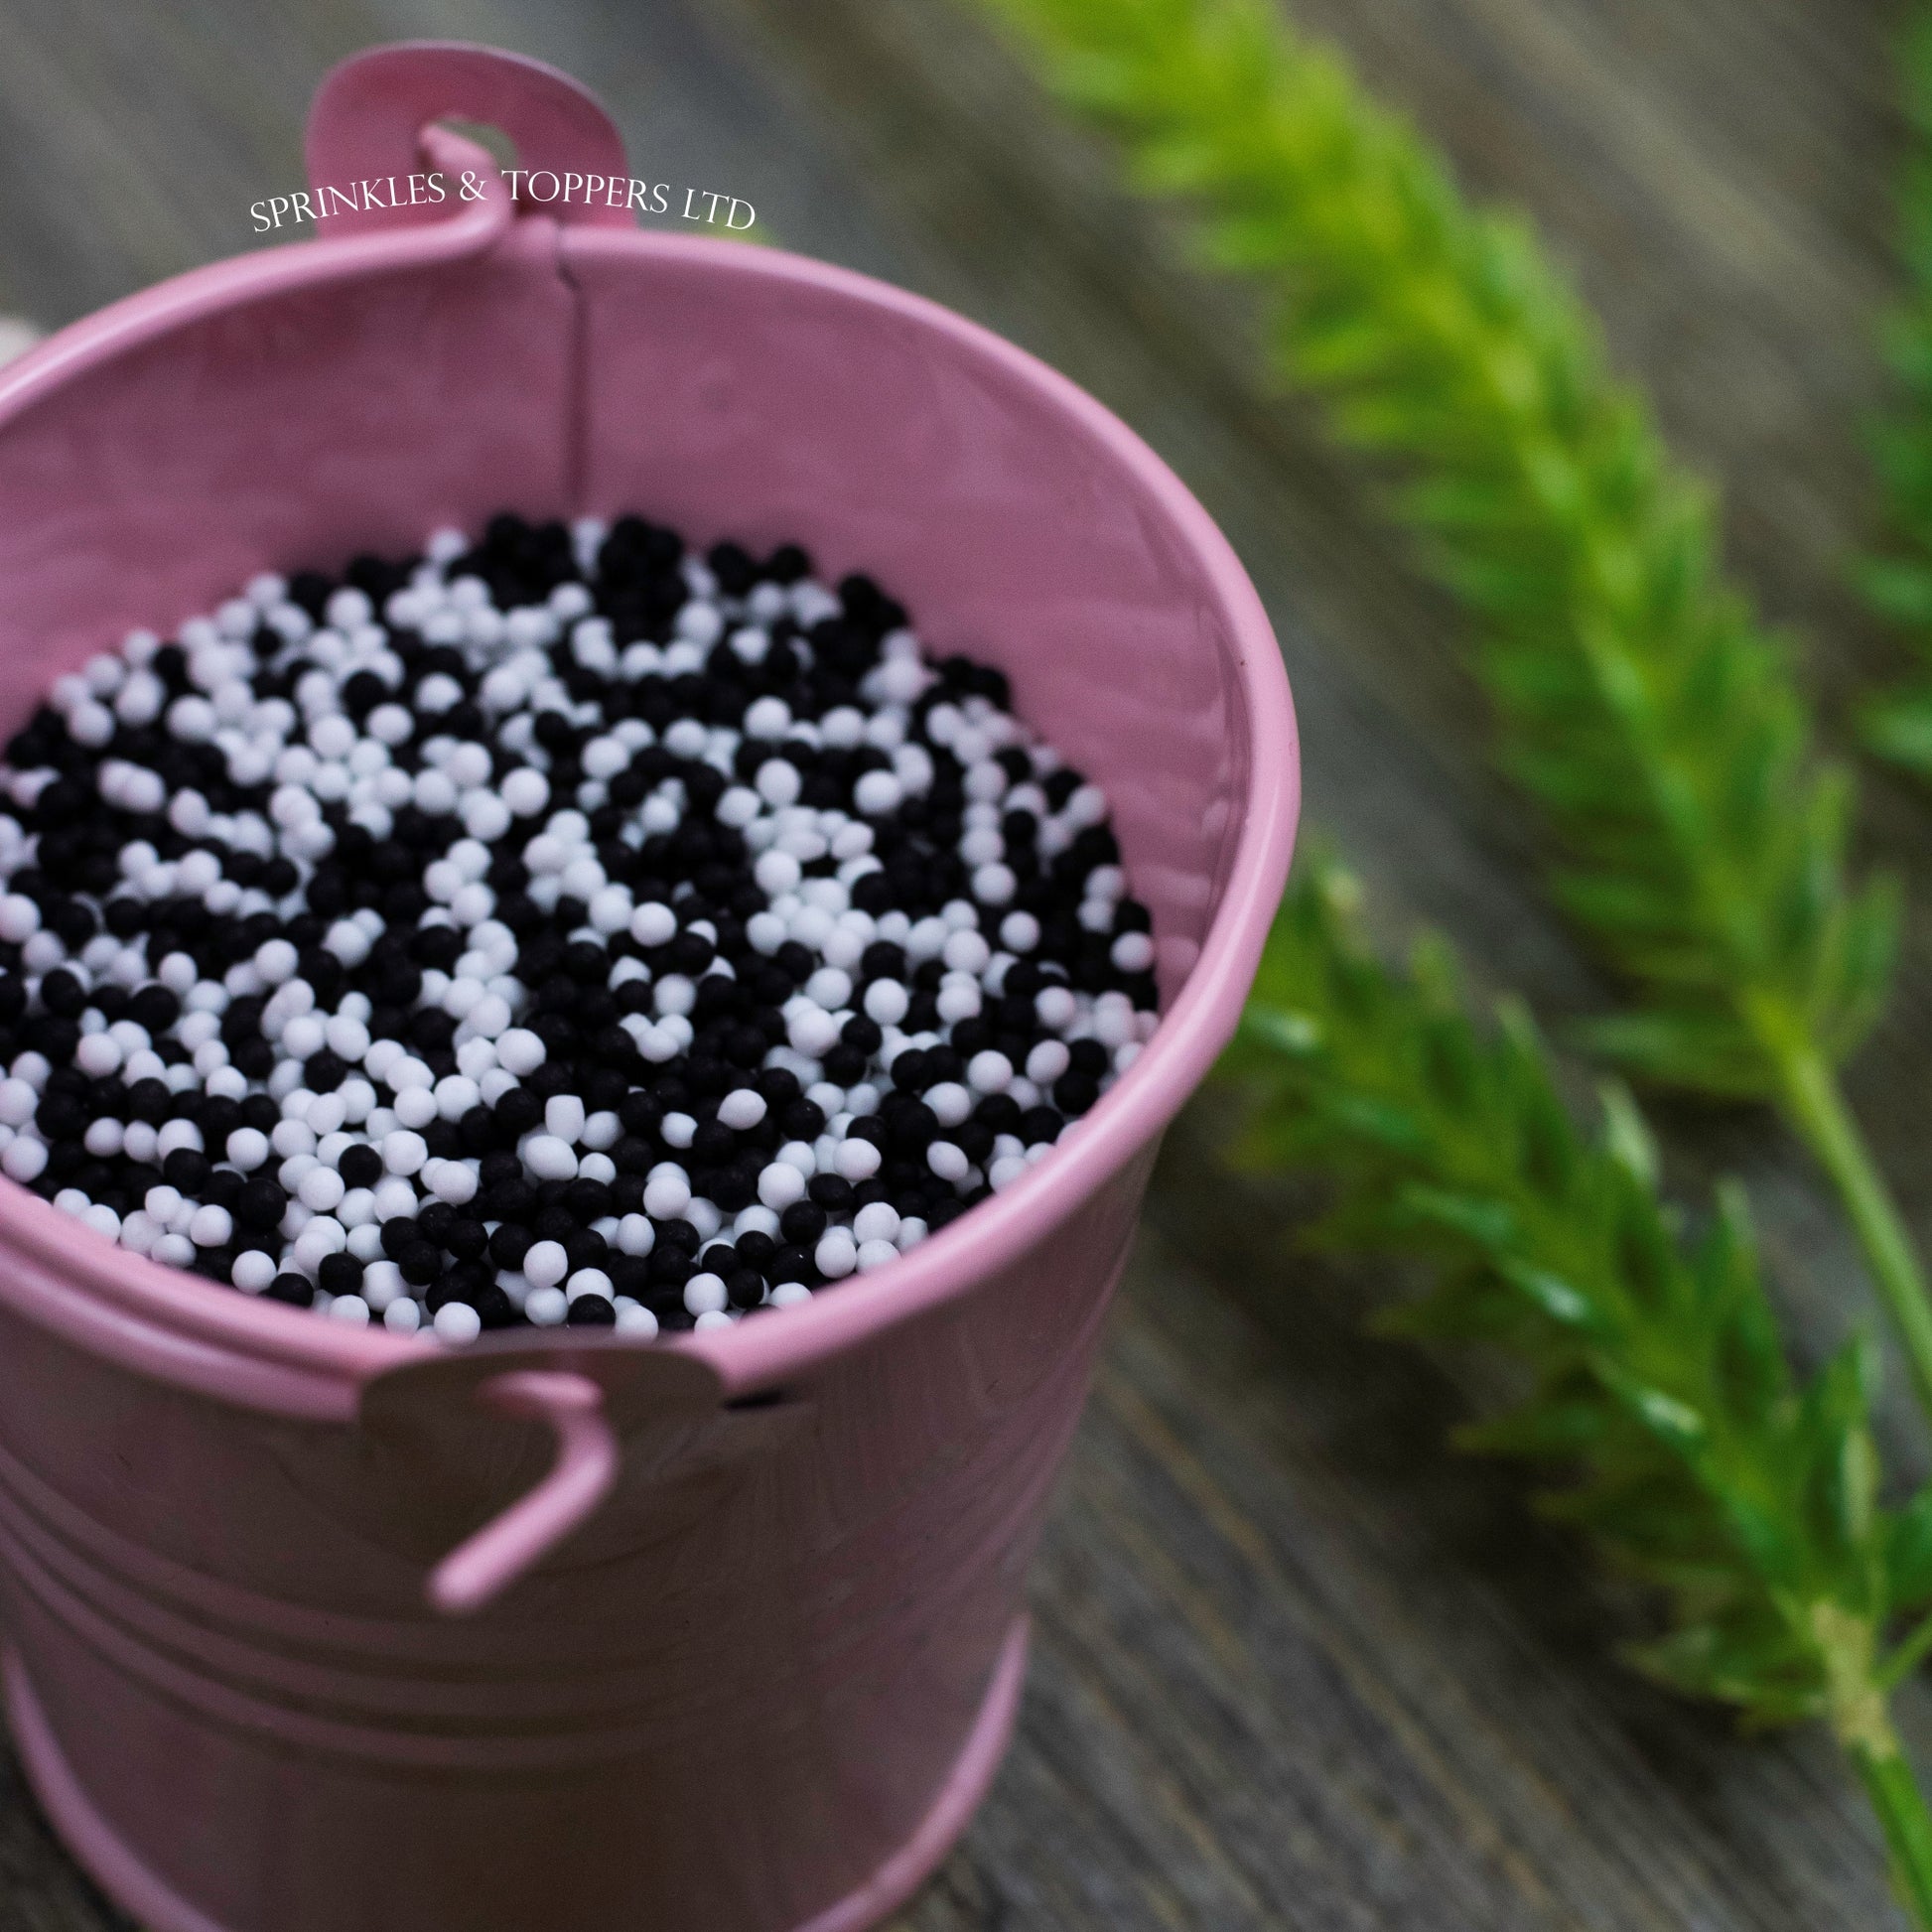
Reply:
x=1898 y=725
x=1693 y=1459
x=1696 y=838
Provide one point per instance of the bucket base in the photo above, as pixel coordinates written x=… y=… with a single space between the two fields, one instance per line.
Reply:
x=147 y=1897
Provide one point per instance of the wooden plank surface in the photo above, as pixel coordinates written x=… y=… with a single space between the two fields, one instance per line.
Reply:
x=1294 y=1666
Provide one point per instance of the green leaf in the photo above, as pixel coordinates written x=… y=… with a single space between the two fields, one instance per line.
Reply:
x=1695 y=833
x=1659 y=1390
x=1908 y=1555
x=1899 y=727
x=1550 y=1296
x=1899 y=584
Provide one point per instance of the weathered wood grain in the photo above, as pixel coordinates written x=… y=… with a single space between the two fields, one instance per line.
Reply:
x=1296 y=1666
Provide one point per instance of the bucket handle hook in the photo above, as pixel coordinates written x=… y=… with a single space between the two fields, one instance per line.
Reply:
x=510 y=1545
x=367 y=122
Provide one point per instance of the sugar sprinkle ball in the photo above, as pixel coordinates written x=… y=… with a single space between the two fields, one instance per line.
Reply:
x=555 y=930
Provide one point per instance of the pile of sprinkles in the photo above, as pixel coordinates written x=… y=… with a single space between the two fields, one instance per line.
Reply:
x=559 y=929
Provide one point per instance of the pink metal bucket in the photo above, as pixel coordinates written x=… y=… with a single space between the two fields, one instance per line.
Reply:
x=317 y=1630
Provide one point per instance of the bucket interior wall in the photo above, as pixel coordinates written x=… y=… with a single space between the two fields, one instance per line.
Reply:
x=285 y=431
x=717 y=393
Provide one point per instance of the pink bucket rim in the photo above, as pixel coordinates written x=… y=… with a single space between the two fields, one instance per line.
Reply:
x=1130 y=1117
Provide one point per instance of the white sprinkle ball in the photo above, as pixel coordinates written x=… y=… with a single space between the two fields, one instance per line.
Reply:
x=988 y=1071
x=545 y=1264
x=457 y=1324
x=742 y=1108
x=547 y=1307
x=550 y=1157
x=876 y=1221
x=404 y=1152
x=780 y=1185
x=254 y=1270
x=705 y=1295
x=856 y=1160
x=837 y=1254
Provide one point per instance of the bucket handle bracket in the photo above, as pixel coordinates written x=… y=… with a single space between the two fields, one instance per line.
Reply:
x=606 y=1403
x=368 y=119
x=510 y=1545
